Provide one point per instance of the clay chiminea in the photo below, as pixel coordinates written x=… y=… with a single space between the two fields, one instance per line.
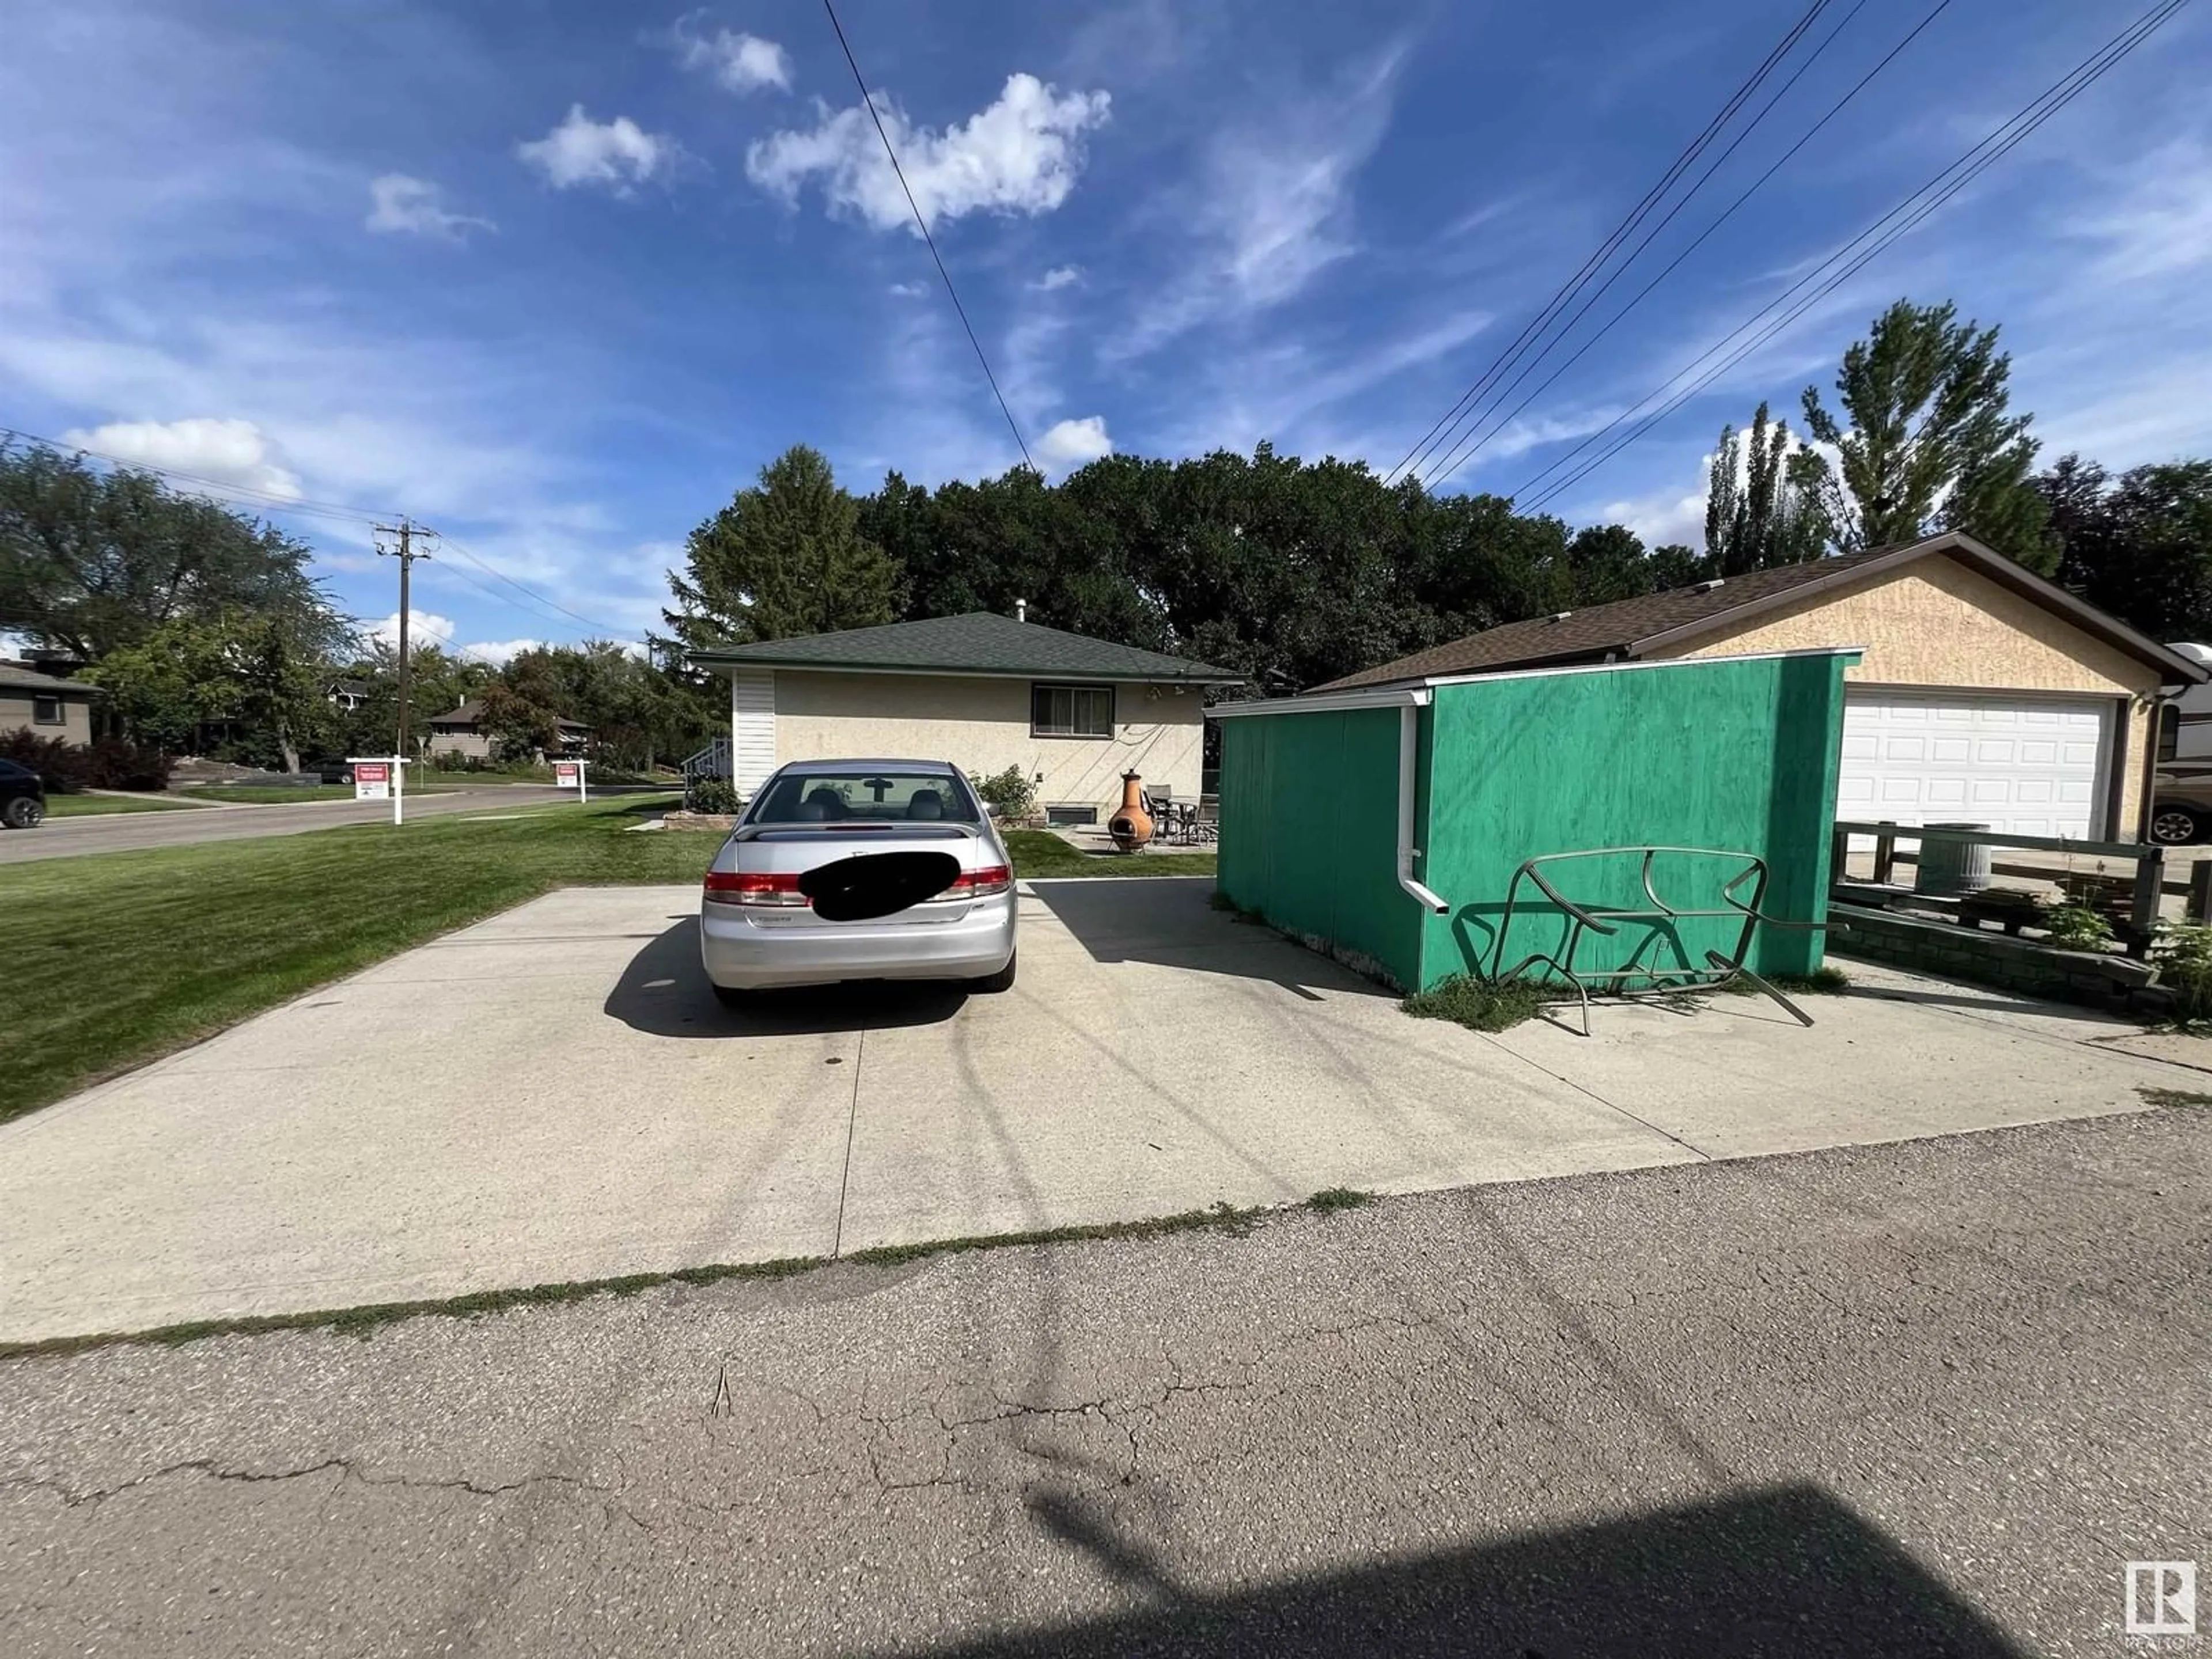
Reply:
x=1131 y=826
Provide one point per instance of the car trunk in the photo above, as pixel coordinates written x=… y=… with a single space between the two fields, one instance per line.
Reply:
x=798 y=848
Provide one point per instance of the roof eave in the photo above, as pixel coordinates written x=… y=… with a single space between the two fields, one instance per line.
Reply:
x=1978 y=556
x=1199 y=674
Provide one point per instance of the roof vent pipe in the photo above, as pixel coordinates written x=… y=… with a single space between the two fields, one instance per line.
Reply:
x=1711 y=583
x=1558 y=616
x=1021 y=609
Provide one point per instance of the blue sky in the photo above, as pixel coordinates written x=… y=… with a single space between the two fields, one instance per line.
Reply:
x=557 y=278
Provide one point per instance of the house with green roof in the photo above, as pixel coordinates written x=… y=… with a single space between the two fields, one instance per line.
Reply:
x=981 y=690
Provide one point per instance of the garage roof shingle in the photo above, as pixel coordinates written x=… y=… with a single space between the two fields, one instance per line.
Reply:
x=1632 y=628
x=977 y=642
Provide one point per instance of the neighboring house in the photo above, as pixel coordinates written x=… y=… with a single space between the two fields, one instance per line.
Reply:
x=40 y=703
x=1986 y=694
x=460 y=731
x=984 y=691
x=348 y=695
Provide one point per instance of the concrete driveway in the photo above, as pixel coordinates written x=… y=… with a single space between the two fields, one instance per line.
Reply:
x=554 y=1096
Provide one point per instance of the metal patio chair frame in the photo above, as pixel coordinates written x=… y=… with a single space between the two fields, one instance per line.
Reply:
x=1584 y=920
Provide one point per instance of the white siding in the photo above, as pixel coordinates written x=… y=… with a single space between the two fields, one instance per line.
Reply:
x=752 y=727
x=2035 y=767
x=983 y=725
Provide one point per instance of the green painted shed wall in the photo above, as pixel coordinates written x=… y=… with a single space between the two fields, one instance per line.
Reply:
x=1309 y=834
x=1732 y=754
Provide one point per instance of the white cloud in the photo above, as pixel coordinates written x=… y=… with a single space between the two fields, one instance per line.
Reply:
x=738 y=61
x=421 y=626
x=1058 y=276
x=501 y=651
x=2157 y=221
x=581 y=151
x=1019 y=155
x=908 y=290
x=416 y=207
x=232 y=453
x=1271 y=207
x=1071 y=443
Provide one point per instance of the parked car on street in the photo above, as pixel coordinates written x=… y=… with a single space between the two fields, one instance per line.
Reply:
x=22 y=796
x=859 y=869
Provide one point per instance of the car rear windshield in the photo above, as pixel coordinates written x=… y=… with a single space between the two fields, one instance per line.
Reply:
x=866 y=796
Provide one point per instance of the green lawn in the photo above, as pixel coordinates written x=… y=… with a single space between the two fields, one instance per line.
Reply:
x=138 y=953
x=1041 y=854
x=268 y=794
x=85 y=807
x=135 y=954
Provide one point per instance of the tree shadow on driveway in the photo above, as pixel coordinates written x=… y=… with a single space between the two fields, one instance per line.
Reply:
x=663 y=991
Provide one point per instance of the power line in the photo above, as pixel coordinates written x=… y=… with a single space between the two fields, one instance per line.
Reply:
x=1417 y=456
x=1476 y=440
x=1848 y=260
x=922 y=224
x=605 y=628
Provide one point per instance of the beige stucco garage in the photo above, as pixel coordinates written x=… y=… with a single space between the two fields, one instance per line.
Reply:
x=1985 y=694
x=984 y=691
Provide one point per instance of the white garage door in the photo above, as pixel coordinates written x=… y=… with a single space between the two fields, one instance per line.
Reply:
x=2031 y=766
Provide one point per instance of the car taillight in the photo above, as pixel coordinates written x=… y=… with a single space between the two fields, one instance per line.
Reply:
x=981 y=883
x=770 y=887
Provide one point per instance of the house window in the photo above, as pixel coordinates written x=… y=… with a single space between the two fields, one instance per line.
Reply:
x=1062 y=818
x=46 y=711
x=2169 y=731
x=1070 y=711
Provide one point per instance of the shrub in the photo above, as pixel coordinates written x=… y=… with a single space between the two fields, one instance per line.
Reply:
x=1010 y=794
x=2184 y=955
x=2077 y=928
x=106 y=763
x=711 y=795
x=1480 y=1005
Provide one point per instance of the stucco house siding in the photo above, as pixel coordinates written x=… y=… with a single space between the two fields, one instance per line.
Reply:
x=981 y=724
x=1938 y=625
x=18 y=711
x=474 y=745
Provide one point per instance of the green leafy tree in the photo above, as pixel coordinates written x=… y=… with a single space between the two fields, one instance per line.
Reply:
x=93 y=561
x=1755 y=516
x=2139 y=546
x=783 y=558
x=637 y=715
x=1927 y=440
x=520 y=727
x=242 y=683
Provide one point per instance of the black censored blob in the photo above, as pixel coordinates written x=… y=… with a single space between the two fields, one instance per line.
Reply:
x=872 y=884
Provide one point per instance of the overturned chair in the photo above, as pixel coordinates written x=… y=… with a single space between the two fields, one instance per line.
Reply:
x=1659 y=917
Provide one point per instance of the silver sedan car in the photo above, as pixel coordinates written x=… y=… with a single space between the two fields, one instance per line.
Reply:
x=859 y=869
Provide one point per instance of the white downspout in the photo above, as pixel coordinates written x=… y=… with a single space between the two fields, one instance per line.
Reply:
x=1409 y=727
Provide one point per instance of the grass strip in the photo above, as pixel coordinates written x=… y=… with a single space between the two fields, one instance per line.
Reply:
x=1040 y=856
x=89 y=807
x=365 y=1321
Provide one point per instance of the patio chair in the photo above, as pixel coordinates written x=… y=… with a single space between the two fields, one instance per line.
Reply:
x=1582 y=920
x=1159 y=803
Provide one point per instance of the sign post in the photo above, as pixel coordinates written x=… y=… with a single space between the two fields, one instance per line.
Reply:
x=380 y=778
x=570 y=775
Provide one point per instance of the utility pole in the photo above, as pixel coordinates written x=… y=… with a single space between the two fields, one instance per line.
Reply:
x=408 y=530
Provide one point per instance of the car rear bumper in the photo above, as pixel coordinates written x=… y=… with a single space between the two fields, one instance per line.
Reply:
x=743 y=956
